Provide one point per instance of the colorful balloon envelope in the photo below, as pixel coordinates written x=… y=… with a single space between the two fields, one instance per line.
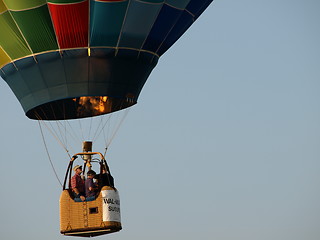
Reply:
x=68 y=59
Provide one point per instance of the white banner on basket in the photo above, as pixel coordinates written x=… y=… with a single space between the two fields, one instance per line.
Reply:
x=111 y=206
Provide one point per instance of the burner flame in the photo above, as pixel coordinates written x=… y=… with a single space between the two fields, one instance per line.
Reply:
x=93 y=105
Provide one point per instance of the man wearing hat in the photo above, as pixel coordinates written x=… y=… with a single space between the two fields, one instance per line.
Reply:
x=77 y=184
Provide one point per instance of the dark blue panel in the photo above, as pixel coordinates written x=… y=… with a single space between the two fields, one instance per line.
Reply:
x=120 y=74
x=29 y=83
x=76 y=65
x=128 y=53
x=139 y=21
x=15 y=82
x=8 y=70
x=30 y=73
x=168 y=16
x=196 y=7
x=103 y=52
x=51 y=63
x=76 y=71
x=184 y=22
x=148 y=58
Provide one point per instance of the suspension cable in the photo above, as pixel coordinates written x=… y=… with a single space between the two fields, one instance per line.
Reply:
x=45 y=145
x=117 y=128
x=91 y=119
x=58 y=140
x=69 y=129
x=101 y=126
x=60 y=131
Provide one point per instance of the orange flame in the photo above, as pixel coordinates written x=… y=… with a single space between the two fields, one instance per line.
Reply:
x=95 y=105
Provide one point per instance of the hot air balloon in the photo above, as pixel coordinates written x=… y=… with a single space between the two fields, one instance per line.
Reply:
x=74 y=59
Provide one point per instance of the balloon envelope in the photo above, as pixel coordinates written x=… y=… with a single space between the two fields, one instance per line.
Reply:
x=67 y=59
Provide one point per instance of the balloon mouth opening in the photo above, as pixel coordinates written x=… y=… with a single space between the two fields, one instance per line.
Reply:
x=79 y=107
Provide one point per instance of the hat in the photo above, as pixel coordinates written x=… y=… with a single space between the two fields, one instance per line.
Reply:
x=91 y=172
x=76 y=167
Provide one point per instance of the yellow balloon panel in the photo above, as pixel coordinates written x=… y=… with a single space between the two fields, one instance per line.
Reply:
x=2 y=7
x=23 y=4
x=4 y=58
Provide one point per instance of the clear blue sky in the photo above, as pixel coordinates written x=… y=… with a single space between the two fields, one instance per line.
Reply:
x=223 y=144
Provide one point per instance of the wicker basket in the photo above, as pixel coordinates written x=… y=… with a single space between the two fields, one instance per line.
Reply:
x=85 y=219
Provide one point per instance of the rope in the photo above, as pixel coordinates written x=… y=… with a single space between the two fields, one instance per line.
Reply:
x=118 y=127
x=55 y=136
x=101 y=125
x=72 y=133
x=45 y=145
x=57 y=131
x=68 y=130
x=91 y=119
x=81 y=129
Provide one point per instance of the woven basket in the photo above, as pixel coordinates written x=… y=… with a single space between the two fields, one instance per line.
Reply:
x=84 y=218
